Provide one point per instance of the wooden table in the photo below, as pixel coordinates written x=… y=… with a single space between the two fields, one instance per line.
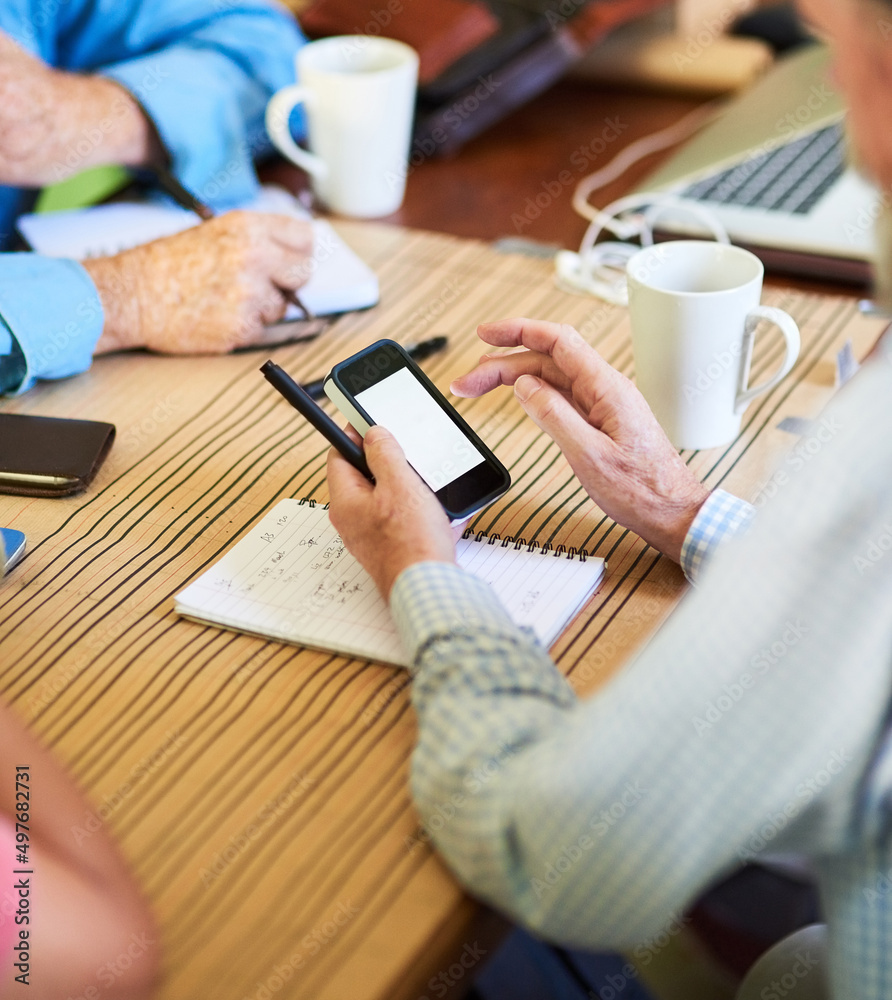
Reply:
x=260 y=790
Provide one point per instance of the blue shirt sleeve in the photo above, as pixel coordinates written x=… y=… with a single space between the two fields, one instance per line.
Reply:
x=50 y=319
x=207 y=88
x=203 y=71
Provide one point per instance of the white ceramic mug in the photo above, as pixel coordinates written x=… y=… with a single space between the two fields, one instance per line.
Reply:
x=359 y=95
x=694 y=308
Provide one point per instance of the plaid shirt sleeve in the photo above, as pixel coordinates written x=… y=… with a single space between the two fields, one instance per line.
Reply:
x=722 y=516
x=756 y=721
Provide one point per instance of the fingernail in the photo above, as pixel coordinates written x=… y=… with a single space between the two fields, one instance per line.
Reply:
x=525 y=386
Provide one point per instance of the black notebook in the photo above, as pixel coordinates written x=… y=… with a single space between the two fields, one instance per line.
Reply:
x=50 y=456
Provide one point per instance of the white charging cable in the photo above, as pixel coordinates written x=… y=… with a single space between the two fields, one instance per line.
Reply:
x=600 y=268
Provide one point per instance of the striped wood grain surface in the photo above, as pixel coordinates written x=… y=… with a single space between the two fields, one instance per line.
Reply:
x=259 y=789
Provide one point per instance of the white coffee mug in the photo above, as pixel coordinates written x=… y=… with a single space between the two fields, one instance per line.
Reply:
x=694 y=308
x=359 y=95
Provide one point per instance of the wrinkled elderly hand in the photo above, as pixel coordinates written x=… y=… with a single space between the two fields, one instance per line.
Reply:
x=390 y=524
x=53 y=123
x=601 y=423
x=207 y=290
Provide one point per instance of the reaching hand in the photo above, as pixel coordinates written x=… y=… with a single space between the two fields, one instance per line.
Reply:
x=53 y=123
x=601 y=423
x=206 y=290
x=392 y=523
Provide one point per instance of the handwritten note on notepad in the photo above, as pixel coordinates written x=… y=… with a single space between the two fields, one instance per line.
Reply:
x=338 y=280
x=291 y=578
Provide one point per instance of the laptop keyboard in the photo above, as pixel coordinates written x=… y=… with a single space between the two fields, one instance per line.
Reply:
x=791 y=178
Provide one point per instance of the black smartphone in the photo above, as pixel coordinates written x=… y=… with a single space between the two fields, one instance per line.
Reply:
x=50 y=456
x=383 y=385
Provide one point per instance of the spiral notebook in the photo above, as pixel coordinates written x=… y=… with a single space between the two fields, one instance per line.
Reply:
x=292 y=579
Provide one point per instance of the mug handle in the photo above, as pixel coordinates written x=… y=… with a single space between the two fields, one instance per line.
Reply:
x=278 y=111
x=790 y=331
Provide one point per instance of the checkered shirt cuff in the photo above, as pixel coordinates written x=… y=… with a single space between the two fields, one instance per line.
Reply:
x=722 y=516
x=433 y=599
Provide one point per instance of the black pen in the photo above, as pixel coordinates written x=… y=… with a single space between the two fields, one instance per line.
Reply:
x=323 y=423
x=418 y=352
x=185 y=199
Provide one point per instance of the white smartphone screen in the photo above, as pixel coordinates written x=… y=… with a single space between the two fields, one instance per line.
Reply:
x=435 y=447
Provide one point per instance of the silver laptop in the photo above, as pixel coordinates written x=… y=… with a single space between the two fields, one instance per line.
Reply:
x=773 y=168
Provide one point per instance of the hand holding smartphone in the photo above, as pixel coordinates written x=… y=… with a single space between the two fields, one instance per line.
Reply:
x=383 y=385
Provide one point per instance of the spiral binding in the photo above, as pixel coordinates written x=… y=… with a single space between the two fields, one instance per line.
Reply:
x=545 y=548
x=310 y=502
